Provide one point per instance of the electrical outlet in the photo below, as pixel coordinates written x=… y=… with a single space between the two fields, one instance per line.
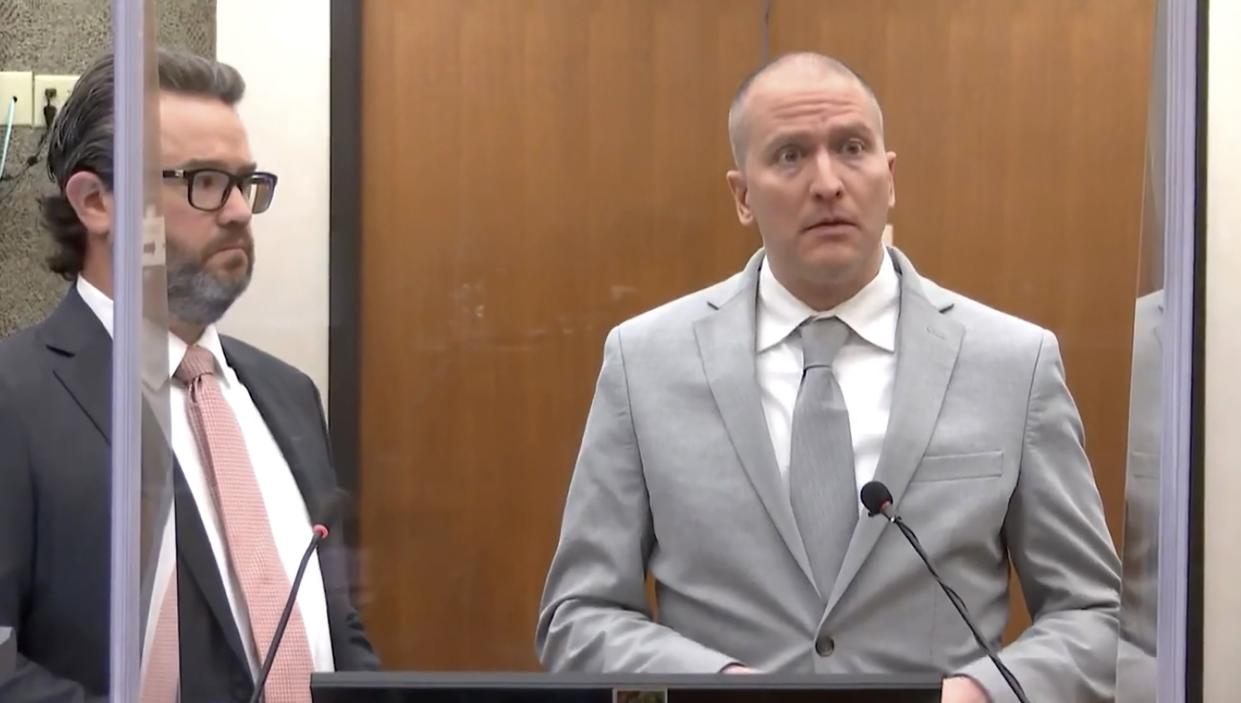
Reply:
x=16 y=84
x=61 y=86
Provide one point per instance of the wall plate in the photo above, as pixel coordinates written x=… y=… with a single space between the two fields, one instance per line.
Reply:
x=62 y=85
x=17 y=84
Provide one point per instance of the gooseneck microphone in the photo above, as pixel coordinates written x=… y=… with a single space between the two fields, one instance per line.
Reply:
x=320 y=534
x=878 y=501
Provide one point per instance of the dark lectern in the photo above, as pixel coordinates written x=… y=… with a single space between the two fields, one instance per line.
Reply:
x=8 y=651
x=396 y=687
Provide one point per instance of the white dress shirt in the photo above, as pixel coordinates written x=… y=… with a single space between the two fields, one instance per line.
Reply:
x=865 y=367
x=286 y=510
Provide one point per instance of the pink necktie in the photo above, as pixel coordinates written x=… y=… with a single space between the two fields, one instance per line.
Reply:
x=252 y=549
x=159 y=679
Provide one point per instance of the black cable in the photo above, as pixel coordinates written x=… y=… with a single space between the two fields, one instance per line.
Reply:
x=13 y=179
x=960 y=606
x=49 y=116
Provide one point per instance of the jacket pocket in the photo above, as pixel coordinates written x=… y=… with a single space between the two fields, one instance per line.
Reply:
x=948 y=467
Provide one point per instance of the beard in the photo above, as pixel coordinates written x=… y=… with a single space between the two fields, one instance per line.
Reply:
x=197 y=295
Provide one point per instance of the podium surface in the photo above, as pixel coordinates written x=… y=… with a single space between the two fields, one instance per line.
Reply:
x=8 y=651
x=464 y=687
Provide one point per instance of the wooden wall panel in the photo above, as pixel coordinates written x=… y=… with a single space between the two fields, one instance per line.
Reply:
x=535 y=171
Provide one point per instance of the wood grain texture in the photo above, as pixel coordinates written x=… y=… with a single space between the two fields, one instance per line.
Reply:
x=535 y=171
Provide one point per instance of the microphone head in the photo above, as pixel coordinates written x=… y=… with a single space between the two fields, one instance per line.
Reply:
x=876 y=497
x=330 y=508
x=320 y=530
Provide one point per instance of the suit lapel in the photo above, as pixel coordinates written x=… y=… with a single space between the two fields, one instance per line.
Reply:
x=726 y=344
x=196 y=559
x=282 y=414
x=926 y=352
x=82 y=359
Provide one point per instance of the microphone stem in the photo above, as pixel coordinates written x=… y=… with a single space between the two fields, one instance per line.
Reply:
x=960 y=606
x=284 y=621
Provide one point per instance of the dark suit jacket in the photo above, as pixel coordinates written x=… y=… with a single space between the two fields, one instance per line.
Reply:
x=55 y=423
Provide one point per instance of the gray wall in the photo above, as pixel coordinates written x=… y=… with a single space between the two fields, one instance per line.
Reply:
x=63 y=37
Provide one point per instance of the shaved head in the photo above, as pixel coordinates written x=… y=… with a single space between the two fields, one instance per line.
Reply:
x=802 y=64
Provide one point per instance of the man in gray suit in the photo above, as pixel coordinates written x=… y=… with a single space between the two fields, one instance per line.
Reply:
x=731 y=430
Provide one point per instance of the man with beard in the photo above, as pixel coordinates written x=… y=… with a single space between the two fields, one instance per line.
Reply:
x=252 y=470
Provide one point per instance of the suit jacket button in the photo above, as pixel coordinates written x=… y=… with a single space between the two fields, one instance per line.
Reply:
x=825 y=646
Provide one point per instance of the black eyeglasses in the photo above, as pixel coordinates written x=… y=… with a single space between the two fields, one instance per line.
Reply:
x=208 y=188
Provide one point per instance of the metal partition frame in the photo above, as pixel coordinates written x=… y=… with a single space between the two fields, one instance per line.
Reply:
x=141 y=501
x=1181 y=452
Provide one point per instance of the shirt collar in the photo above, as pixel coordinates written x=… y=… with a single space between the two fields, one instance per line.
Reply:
x=871 y=313
x=104 y=309
x=99 y=303
x=210 y=340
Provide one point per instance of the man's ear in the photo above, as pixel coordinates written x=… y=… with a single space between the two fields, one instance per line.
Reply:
x=891 y=155
x=741 y=197
x=92 y=201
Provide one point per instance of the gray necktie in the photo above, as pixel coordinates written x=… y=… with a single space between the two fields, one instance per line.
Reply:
x=822 y=486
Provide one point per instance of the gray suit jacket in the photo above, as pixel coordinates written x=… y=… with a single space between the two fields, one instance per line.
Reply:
x=1137 y=667
x=677 y=478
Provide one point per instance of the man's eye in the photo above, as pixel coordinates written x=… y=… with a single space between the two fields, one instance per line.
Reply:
x=854 y=147
x=788 y=155
x=210 y=180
